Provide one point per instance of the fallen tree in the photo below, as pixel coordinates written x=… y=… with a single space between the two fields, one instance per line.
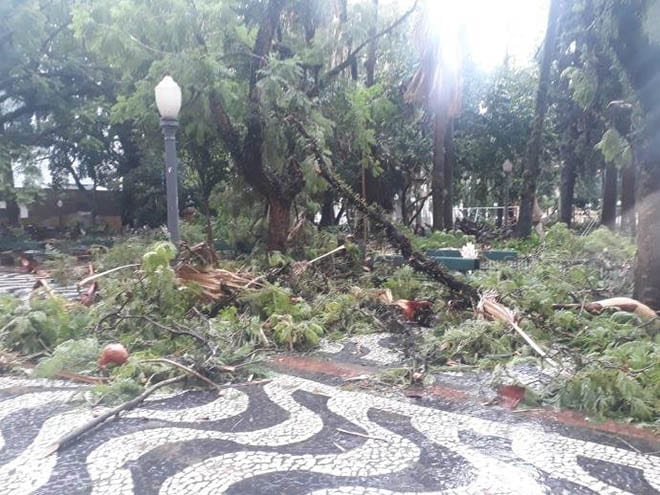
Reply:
x=417 y=260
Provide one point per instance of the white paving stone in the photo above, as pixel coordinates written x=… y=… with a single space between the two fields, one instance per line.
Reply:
x=382 y=452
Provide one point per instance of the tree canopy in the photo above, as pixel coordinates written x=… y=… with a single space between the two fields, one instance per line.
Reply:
x=405 y=116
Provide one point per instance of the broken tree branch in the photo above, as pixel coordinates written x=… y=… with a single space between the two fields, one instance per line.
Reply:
x=335 y=71
x=416 y=260
x=498 y=311
x=107 y=272
x=90 y=425
x=182 y=367
x=621 y=303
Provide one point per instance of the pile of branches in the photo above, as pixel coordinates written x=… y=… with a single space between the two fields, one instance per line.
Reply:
x=196 y=264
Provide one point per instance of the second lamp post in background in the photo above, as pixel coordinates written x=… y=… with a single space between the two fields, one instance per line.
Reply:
x=507 y=168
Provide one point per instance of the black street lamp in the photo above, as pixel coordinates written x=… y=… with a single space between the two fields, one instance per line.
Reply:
x=507 y=168
x=168 y=101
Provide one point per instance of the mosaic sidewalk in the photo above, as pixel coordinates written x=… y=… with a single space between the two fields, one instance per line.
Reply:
x=21 y=284
x=297 y=436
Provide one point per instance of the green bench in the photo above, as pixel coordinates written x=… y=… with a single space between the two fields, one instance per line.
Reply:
x=504 y=255
x=451 y=258
x=455 y=263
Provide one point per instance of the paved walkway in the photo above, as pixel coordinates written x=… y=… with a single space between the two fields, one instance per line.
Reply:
x=309 y=431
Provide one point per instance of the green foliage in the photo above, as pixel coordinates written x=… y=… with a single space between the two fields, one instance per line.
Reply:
x=469 y=342
x=273 y=299
x=404 y=283
x=288 y=319
x=582 y=84
x=75 y=355
x=158 y=257
x=615 y=148
x=192 y=232
x=125 y=252
x=293 y=333
x=342 y=313
x=608 y=391
x=119 y=390
x=40 y=324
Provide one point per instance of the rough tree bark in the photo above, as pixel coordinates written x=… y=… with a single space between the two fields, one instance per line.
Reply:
x=619 y=115
x=569 y=151
x=640 y=59
x=534 y=145
x=567 y=190
x=608 y=213
x=450 y=165
x=438 y=184
x=628 y=198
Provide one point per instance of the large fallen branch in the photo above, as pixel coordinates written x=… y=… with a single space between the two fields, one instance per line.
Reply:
x=400 y=241
x=488 y=306
x=621 y=303
x=126 y=406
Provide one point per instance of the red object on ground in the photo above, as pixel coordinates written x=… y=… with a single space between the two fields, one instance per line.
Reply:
x=410 y=307
x=510 y=395
x=113 y=353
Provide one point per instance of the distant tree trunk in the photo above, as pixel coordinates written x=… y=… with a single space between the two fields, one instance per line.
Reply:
x=608 y=213
x=567 y=191
x=9 y=195
x=370 y=65
x=450 y=165
x=328 y=209
x=640 y=59
x=279 y=221
x=628 y=199
x=404 y=204
x=535 y=143
x=206 y=207
x=438 y=172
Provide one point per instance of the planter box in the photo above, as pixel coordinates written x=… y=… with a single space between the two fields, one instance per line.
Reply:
x=501 y=255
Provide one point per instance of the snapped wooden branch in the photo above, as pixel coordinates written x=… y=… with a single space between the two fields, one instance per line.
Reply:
x=97 y=421
x=622 y=303
x=488 y=306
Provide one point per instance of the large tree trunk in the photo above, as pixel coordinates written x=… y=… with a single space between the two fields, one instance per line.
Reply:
x=628 y=199
x=641 y=60
x=535 y=143
x=279 y=222
x=450 y=163
x=438 y=172
x=608 y=213
x=570 y=151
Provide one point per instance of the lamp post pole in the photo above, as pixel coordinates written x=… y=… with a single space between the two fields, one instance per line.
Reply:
x=168 y=101
x=169 y=127
x=507 y=168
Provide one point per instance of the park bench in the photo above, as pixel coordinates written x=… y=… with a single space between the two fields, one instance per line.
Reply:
x=452 y=259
